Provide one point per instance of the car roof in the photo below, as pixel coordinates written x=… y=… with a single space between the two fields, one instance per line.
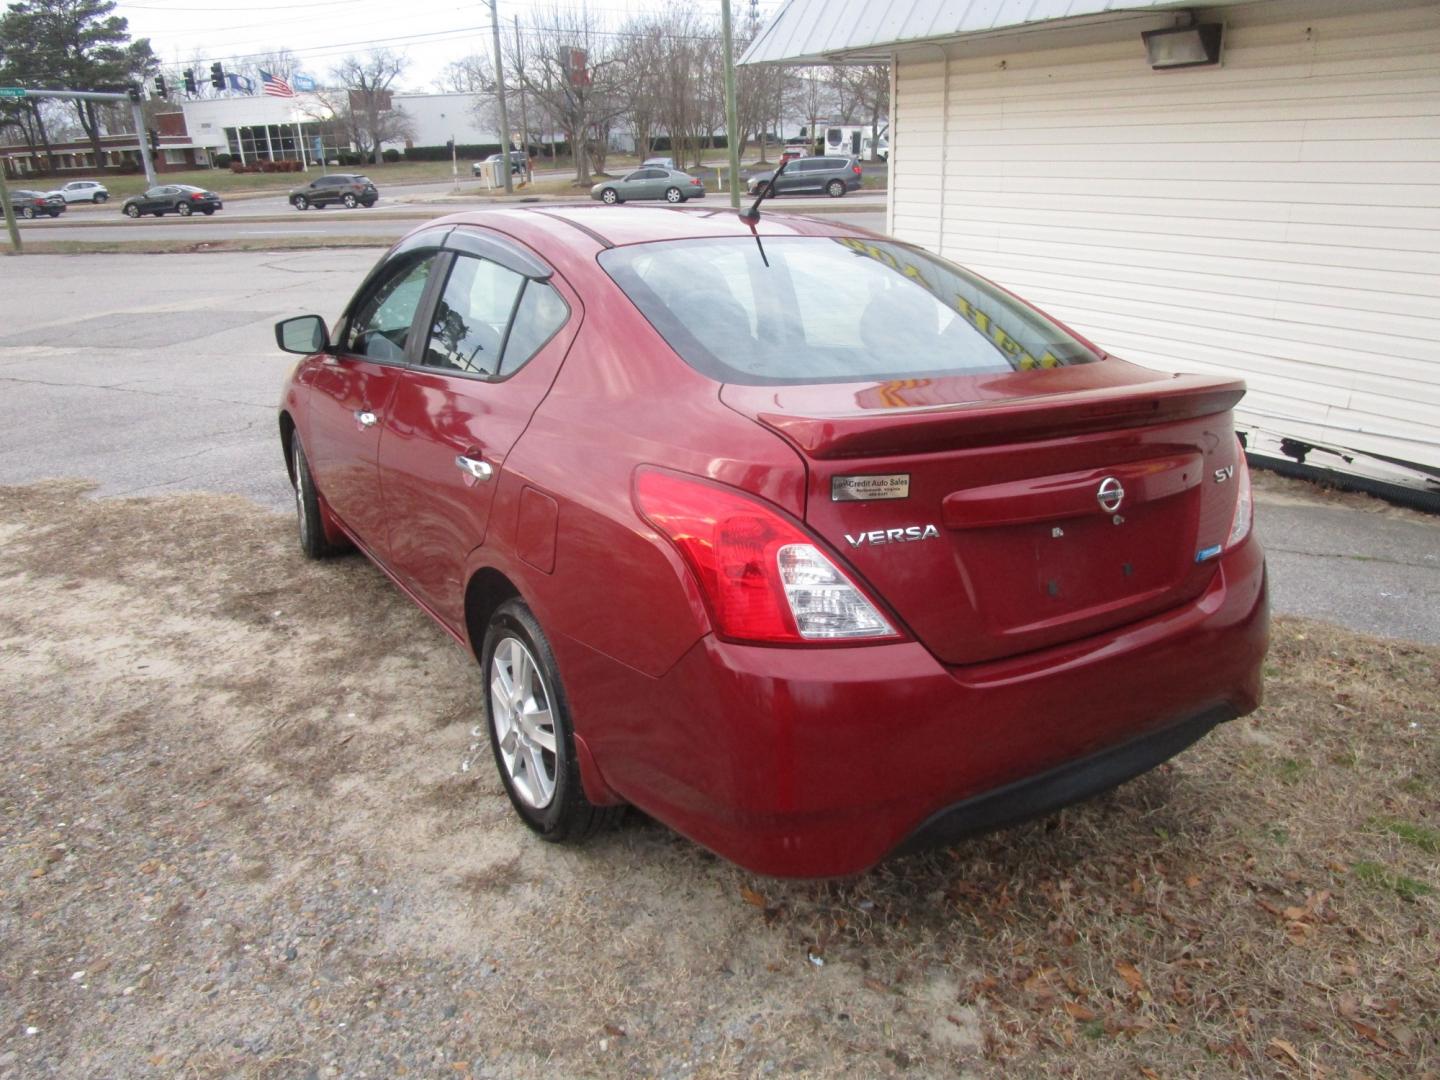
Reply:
x=548 y=228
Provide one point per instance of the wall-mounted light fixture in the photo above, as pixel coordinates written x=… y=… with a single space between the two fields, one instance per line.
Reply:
x=1184 y=46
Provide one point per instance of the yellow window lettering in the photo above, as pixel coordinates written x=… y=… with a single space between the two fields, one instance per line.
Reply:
x=974 y=315
x=1008 y=345
x=1049 y=360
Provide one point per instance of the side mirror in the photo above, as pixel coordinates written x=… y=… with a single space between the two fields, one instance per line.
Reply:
x=304 y=334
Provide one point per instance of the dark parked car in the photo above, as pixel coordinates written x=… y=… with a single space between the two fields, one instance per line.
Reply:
x=806 y=542
x=812 y=175
x=348 y=189
x=182 y=199
x=650 y=182
x=33 y=204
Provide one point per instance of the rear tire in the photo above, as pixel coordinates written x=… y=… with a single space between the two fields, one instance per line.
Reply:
x=350 y=202
x=835 y=189
x=184 y=209
x=100 y=198
x=527 y=715
x=674 y=195
x=308 y=514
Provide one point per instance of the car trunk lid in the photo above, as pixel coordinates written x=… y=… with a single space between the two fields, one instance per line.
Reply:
x=1001 y=514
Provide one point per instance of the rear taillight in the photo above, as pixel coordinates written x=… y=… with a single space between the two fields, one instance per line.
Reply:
x=1244 y=502
x=856 y=170
x=694 y=182
x=763 y=578
x=197 y=196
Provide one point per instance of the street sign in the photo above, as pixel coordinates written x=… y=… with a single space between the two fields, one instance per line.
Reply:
x=12 y=91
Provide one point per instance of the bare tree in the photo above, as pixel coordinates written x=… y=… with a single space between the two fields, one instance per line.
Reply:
x=360 y=103
x=576 y=74
x=469 y=75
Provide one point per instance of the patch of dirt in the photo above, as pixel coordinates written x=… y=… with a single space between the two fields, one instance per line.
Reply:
x=238 y=842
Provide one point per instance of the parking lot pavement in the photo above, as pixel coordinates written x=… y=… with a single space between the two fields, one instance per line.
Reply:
x=160 y=373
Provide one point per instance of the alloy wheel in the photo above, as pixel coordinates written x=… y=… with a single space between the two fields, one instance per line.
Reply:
x=524 y=726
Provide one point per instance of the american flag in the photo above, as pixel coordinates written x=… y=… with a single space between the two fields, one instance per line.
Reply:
x=275 y=86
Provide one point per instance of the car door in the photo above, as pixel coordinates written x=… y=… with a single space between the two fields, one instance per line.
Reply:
x=352 y=387
x=500 y=329
x=631 y=185
x=794 y=177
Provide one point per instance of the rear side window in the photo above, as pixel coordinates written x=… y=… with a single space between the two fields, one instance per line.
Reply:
x=540 y=314
x=468 y=331
x=491 y=320
x=831 y=309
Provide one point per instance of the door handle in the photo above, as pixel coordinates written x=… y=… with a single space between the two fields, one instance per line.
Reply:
x=478 y=469
x=366 y=417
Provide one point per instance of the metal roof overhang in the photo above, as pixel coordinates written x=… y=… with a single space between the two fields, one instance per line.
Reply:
x=862 y=32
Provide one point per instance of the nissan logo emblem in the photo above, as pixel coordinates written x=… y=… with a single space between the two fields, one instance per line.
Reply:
x=1110 y=495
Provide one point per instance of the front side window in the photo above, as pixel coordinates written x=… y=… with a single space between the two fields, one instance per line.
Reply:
x=381 y=326
x=831 y=309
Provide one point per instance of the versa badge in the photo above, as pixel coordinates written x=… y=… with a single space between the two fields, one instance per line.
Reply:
x=893 y=536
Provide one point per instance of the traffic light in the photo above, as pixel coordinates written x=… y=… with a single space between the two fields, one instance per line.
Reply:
x=154 y=137
x=217 y=75
x=134 y=91
x=160 y=86
x=190 y=86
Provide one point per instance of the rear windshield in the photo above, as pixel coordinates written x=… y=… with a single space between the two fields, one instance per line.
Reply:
x=831 y=309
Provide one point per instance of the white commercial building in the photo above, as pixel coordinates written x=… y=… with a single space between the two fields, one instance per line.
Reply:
x=257 y=126
x=1275 y=214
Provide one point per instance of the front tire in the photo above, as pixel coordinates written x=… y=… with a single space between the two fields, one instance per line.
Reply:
x=184 y=209
x=530 y=730
x=300 y=202
x=350 y=202
x=100 y=198
x=132 y=211
x=28 y=213
x=307 y=507
x=835 y=189
x=609 y=196
x=674 y=195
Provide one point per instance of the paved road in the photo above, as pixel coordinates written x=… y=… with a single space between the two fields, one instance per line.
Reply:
x=400 y=209
x=159 y=373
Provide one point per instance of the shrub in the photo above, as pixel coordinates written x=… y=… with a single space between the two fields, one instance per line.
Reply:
x=222 y=161
x=391 y=155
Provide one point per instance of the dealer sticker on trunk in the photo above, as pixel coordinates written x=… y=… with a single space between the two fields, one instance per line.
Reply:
x=867 y=488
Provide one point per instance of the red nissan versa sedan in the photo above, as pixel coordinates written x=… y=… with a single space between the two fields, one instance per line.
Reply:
x=808 y=543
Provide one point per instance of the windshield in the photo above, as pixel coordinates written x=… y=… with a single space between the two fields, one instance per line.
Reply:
x=831 y=309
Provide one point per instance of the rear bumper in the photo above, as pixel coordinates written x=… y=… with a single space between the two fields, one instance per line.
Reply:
x=1036 y=796
x=821 y=762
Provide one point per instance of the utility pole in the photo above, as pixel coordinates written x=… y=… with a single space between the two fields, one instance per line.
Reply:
x=732 y=113
x=524 y=120
x=500 y=97
x=10 y=222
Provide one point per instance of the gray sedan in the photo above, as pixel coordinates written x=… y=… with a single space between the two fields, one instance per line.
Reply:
x=650 y=182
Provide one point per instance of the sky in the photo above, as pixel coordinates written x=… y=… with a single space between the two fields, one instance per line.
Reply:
x=321 y=32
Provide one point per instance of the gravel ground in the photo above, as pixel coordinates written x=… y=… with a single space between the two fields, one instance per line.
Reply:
x=238 y=841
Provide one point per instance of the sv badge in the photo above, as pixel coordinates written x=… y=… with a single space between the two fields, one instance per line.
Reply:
x=1221 y=475
x=893 y=536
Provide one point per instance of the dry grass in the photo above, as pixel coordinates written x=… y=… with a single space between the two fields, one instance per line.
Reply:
x=243 y=770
